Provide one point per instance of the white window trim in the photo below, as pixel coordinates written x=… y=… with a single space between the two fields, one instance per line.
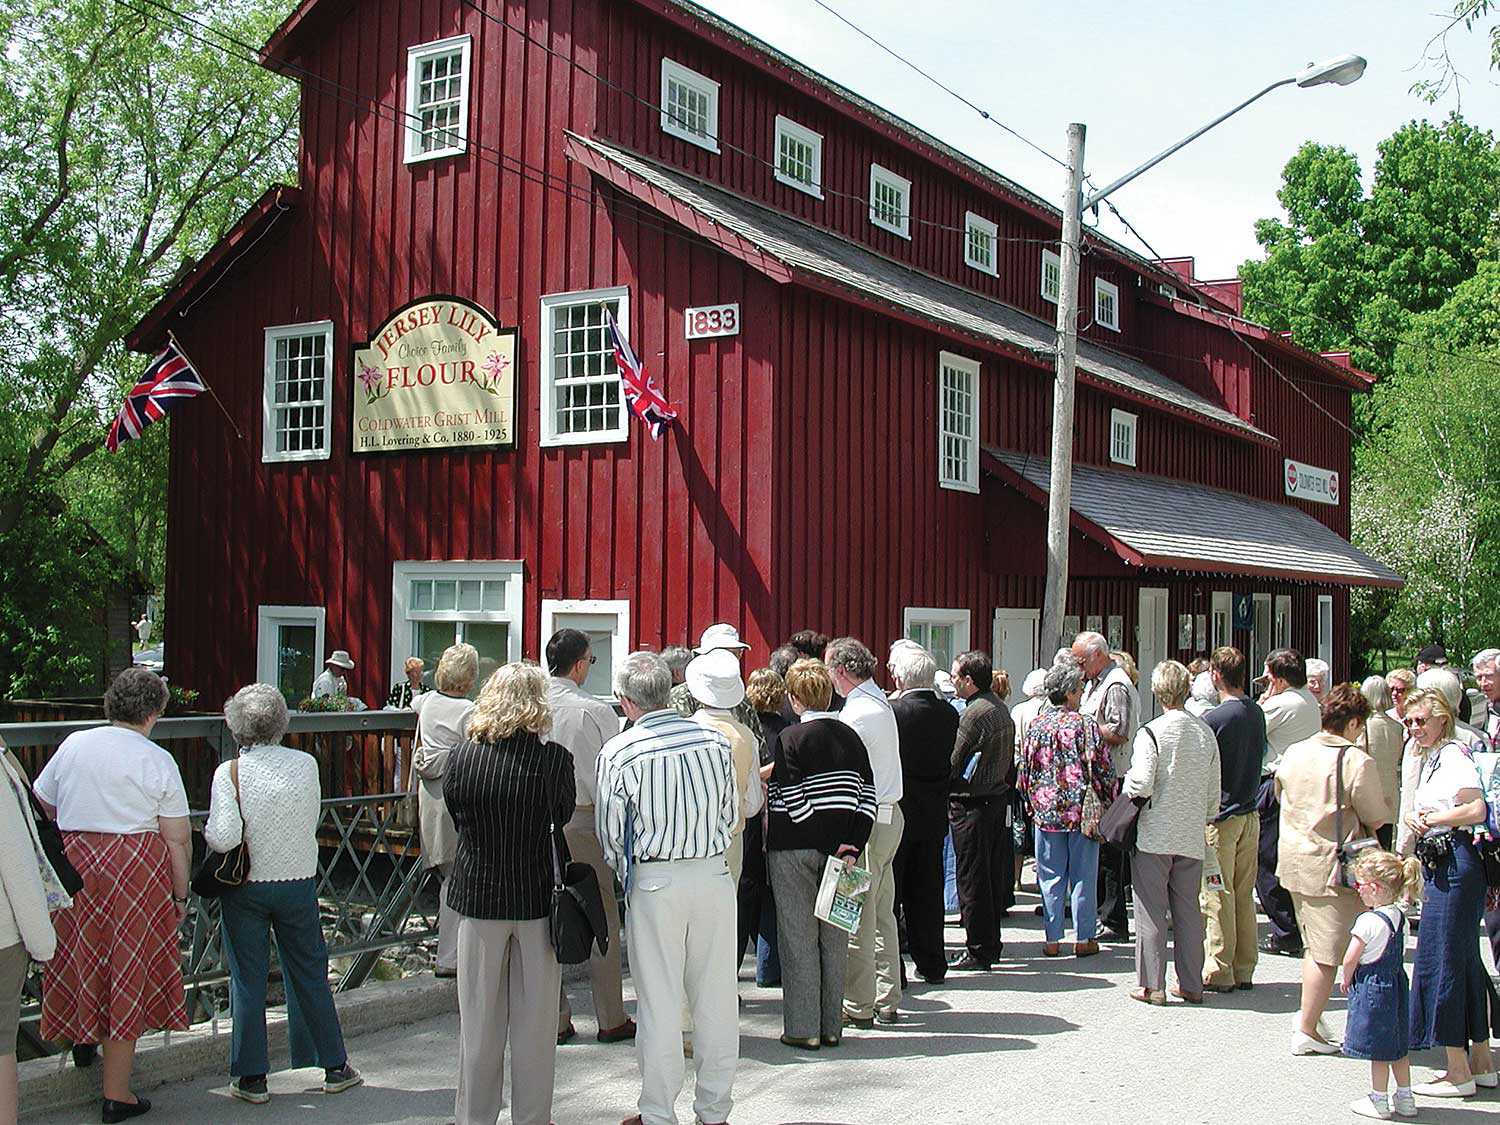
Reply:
x=268 y=618
x=1282 y=601
x=973 y=221
x=268 y=451
x=705 y=86
x=960 y=619
x=619 y=608
x=1102 y=288
x=1051 y=256
x=971 y=368
x=549 y=435
x=885 y=176
x=414 y=57
x=1221 y=602
x=1325 y=655
x=1116 y=417
x=402 y=574
x=785 y=125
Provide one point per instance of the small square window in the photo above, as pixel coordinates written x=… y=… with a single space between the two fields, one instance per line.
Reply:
x=981 y=244
x=606 y=623
x=689 y=105
x=1051 y=276
x=958 y=422
x=1106 y=304
x=942 y=632
x=799 y=157
x=1122 y=437
x=582 y=396
x=437 y=99
x=890 y=201
x=297 y=392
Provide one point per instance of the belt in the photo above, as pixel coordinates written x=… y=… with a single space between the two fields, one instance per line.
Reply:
x=679 y=859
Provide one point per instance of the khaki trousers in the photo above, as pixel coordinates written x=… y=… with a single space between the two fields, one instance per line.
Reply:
x=604 y=968
x=1229 y=946
x=508 y=979
x=873 y=977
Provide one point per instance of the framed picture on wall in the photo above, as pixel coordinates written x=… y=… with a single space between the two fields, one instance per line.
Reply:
x=1184 y=631
x=1201 y=625
x=1071 y=628
x=1116 y=631
x=1094 y=623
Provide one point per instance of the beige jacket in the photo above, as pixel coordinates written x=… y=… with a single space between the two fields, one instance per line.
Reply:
x=1385 y=742
x=1307 y=856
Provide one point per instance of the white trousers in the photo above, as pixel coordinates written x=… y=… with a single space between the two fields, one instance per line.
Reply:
x=682 y=927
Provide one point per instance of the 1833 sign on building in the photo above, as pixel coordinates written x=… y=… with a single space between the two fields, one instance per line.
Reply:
x=439 y=374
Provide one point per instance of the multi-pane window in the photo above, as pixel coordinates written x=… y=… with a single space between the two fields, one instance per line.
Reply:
x=1106 y=304
x=890 y=201
x=981 y=238
x=1122 y=427
x=437 y=99
x=942 y=632
x=799 y=157
x=689 y=105
x=582 y=399
x=1051 y=276
x=289 y=648
x=298 y=381
x=958 y=422
x=441 y=604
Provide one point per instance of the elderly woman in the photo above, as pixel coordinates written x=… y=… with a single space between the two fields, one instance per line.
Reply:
x=119 y=801
x=442 y=715
x=402 y=694
x=1401 y=682
x=1175 y=764
x=1308 y=866
x=269 y=800
x=822 y=803
x=1385 y=741
x=766 y=691
x=1453 y=1003
x=1063 y=758
x=509 y=791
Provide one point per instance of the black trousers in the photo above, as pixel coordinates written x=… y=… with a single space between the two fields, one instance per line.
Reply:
x=1492 y=927
x=1113 y=887
x=983 y=866
x=919 y=897
x=755 y=886
x=1275 y=900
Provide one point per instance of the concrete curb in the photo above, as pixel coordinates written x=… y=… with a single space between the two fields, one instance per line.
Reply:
x=48 y=1084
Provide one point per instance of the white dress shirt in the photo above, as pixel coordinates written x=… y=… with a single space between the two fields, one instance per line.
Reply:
x=869 y=712
x=581 y=724
x=1293 y=715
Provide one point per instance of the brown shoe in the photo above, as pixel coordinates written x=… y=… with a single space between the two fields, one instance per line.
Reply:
x=1085 y=948
x=1211 y=987
x=636 y=1120
x=617 y=1034
x=1149 y=996
x=567 y=1034
x=1052 y=949
x=1190 y=997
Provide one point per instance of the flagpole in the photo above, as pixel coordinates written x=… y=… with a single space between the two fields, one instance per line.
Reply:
x=227 y=416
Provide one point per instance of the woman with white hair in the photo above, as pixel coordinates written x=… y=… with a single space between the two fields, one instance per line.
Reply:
x=1175 y=764
x=1204 y=697
x=1385 y=743
x=269 y=798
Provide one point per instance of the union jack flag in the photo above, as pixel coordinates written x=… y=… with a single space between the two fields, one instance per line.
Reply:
x=646 y=402
x=167 y=380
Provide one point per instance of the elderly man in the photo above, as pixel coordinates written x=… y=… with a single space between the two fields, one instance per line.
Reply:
x=334 y=678
x=1486 y=668
x=983 y=753
x=1111 y=700
x=872 y=984
x=1292 y=714
x=715 y=638
x=666 y=812
x=926 y=727
x=582 y=725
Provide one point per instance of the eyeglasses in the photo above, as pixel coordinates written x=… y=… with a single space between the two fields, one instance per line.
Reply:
x=593 y=660
x=1418 y=720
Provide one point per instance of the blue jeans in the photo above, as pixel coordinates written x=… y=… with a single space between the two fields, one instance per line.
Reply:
x=950 y=877
x=248 y=916
x=1067 y=863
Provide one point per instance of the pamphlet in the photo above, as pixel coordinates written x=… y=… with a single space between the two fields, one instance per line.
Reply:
x=1213 y=875
x=841 y=895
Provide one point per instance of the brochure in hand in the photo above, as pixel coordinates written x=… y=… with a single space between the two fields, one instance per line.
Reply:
x=841 y=895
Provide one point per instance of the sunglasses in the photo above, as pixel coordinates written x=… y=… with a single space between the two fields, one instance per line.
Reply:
x=1418 y=720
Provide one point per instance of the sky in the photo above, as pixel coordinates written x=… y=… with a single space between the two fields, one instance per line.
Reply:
x=1141 y=75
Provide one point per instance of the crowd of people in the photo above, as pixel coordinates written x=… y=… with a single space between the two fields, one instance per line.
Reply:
x=719 y=803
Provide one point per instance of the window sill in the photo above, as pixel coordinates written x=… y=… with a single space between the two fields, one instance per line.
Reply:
x=814 y=190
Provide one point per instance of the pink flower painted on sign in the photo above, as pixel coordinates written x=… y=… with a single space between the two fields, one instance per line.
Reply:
x=495 y=365
x=370 y=377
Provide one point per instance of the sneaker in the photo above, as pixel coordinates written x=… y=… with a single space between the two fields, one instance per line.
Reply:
x=250 y=1088
x=341 y=1078
x=1304 y=1044
x=1404 y=1103
x=1442 y=1088
x=1489 y=1081
x=887 y=1015
x=1372 y=1105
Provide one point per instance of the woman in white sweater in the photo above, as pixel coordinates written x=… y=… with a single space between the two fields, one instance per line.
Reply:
x=1175 y=763
x=269 y=799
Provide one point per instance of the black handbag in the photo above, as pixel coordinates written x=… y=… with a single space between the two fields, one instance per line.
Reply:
x=1120 y=825
x=222 y=872
x=51 y=840
x=576 y=921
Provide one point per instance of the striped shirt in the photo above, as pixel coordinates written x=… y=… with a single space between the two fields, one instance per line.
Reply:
x=822 y=793
x=672 y=782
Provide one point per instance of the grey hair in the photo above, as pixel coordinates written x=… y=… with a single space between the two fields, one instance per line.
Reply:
x=1485 y=656
x=1319 y=668
x=913 y=667
x=1377 y=692
x=1063 y=679
x=457 y=669
x=677 y=658
x=1169 y=683
x=645 y=679
x=137 y=694
x=849 y=656
x=256 y=715
x=1445 y=682
x=1092 y=642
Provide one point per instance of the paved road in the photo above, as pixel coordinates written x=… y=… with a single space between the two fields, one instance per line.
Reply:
x=1037 y=1041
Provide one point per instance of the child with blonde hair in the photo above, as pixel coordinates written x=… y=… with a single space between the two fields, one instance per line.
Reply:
x=1376 y=983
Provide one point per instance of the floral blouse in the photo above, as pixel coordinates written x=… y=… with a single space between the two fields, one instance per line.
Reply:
x=1063 y=752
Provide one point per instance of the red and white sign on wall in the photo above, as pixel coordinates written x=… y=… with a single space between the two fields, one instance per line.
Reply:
x=711 y=320
x=1308 y=482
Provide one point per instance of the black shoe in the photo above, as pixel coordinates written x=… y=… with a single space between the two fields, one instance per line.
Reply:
x=250 y=1088
x=968 y=963
x=1245 y=985
x=1112 y=934
x=1281 y=948
x=341 y=1078
x=113 y=1111
x=84 y=1055
x=567 y=1034
x=831 y=1040
x=932 y=978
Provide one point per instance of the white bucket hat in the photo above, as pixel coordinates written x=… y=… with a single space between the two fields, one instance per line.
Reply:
x=719 y=636
x=341 y=659
x=714 y=680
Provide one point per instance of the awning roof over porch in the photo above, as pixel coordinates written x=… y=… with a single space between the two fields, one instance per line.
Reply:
x=1167 y=524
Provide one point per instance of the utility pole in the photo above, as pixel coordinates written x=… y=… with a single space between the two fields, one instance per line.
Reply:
x=1060 y=489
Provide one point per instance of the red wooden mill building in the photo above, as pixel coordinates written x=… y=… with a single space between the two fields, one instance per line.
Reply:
x=852 y=319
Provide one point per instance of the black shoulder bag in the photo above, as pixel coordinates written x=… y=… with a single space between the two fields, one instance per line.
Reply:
x=576 y=920
x=50 y=837
x=222 y=872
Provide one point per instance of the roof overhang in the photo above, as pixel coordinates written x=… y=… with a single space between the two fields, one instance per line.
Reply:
x=1336 y=372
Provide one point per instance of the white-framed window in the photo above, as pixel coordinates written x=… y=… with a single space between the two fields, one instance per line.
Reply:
x=942 y=632
x=689 y=105
x=437 y=604
x=981 y=244
x=1167 y=291
x=1122 y=427
x=958 y=422
x=799 y=156
x=607 y=623
x=582 y=399
x=1221 y=617
x=1261 y=637
x=289 y=648
x=437 y=99
x=890 y=201
x=1283 y=633
x=298 y=391
x=1106 y=304
x=1325 y=628
x=1051 y=276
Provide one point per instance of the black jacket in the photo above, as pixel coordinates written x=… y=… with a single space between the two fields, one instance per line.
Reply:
x=986 y=729
x=927 y=724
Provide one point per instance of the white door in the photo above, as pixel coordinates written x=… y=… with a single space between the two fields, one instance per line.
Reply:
x=1015 y=646
x=1151 y=642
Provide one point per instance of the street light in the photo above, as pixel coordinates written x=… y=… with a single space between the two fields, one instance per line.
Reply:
x=1339 y=71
